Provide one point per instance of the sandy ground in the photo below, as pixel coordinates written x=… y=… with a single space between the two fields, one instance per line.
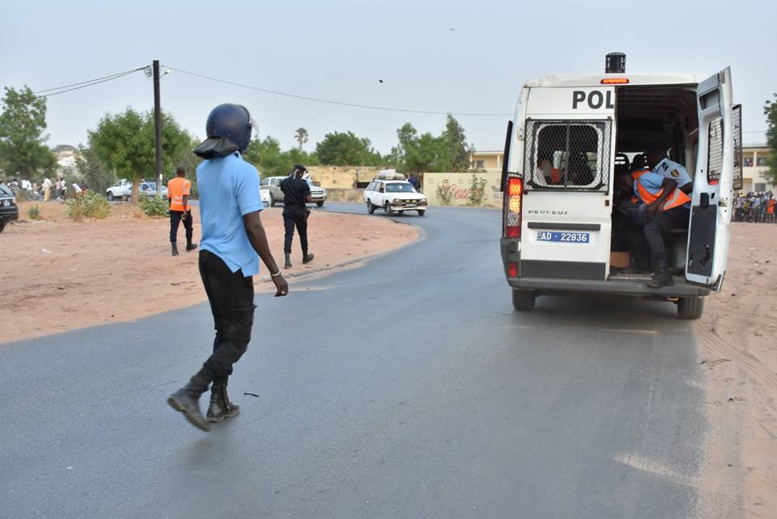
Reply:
x=59 y=275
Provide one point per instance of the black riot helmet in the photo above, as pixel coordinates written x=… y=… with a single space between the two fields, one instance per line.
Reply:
x=229 y=130
x=232 y=122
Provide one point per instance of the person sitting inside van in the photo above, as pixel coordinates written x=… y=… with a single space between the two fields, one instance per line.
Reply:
x=658 y=163
x=638 y=166
x=658 y=207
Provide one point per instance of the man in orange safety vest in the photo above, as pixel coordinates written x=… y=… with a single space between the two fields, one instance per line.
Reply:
x=178 y=191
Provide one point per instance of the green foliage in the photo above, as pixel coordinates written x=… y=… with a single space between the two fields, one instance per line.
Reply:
x=97 y=176
x=427 y=153
x=23 y=153
x=34 y=212
x=301 y=136
x=268 y=158
x=457 y=151
x=444 y=193
x=477 y=190
x=154 y=206
x=125 y=143
x=346 y=149
x=770 y=110
x=88 y=205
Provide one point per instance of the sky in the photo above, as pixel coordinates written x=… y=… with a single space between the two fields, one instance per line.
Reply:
x=412 y=61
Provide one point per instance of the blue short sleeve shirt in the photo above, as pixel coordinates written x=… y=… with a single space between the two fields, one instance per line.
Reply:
x=229 y=189
x=671 y=169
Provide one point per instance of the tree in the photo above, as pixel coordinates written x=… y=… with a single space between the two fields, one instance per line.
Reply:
x=301 y=136
x=457 y=151
x=96 y=175
x=770 y=110
x=427 y=153
x=125 y=143
x=346 y=149
x=22 y=151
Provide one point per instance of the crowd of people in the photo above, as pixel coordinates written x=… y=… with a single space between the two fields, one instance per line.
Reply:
x=47 y=190
x=755 y=207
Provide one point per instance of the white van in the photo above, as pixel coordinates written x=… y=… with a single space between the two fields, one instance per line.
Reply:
x=557 y=227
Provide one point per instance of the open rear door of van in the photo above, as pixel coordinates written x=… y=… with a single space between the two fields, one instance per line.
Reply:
x=712 y=201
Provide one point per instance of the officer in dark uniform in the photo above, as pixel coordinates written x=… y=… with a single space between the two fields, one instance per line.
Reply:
x=296 y=193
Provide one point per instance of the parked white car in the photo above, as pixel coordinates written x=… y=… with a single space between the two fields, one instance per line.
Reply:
x=392 y=193
x=122 y=190
x=273 y=186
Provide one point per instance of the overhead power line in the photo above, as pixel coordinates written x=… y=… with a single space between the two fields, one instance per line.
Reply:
x=328 y=101
x=84 y=84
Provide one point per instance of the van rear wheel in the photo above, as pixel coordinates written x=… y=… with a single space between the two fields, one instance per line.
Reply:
x=523 y=300
x=690 y=307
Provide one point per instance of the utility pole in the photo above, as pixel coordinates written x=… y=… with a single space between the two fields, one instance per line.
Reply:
x=157 y=129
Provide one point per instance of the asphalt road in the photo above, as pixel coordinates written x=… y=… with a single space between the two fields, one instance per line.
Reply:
x=408 y=388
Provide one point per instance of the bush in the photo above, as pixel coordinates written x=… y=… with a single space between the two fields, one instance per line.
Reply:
x=477 y=191
x=154 y=206
x=444 y=193
x=88 y=204
x=34 y=212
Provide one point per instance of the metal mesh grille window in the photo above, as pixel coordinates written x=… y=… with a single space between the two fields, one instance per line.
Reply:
x=567 y=155
x=715 y=156
x=736 y=124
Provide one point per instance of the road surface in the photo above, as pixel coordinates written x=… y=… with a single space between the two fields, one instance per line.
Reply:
x=408 y=388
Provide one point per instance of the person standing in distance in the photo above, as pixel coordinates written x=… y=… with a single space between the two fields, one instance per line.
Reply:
x=178 y=190
x=233 y=240
x=296 y=193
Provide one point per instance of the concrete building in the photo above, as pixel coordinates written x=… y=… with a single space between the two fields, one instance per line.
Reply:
x=754 y=167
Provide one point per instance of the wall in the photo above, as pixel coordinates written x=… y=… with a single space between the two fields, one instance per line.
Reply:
x=460 y=186
x=341 y=182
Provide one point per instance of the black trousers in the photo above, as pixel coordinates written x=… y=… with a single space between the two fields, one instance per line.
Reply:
x=231 y=297
x=295 y=216
x=175 y=219
x=656 y=229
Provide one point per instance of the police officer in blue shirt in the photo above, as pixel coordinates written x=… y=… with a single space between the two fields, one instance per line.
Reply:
x=233 y=240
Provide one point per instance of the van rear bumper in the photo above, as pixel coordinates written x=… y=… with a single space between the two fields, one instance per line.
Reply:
x=631 y=285
x=636 y=287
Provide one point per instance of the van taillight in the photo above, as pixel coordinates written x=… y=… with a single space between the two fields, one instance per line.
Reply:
x=514 y=193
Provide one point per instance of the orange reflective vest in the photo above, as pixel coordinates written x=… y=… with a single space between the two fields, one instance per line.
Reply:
x=177 y=188
x=676 y=199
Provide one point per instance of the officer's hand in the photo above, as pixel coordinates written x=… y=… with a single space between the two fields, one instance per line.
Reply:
x=281 y=285
x=651 y=211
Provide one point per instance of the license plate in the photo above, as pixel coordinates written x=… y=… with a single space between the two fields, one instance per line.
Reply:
x=564 y=237
x=409 y=205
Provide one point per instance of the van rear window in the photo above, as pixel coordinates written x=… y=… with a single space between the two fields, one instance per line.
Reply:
x=567 y=155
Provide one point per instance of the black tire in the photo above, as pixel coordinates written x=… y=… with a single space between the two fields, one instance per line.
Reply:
x=387 y=208
x=421 y=212
x=690 y=308
x=400 y=212
x=110 y=196
x=2 y=226
x=523 y=300
x=272 y=201
x=370 y=207
x=320 y=204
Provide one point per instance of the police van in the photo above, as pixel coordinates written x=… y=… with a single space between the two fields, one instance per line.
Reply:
x=570 y=136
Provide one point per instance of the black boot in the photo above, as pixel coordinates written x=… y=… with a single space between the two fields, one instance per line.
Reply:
x=175 y=249
x=662 y=277
x=307 y=258
x=187 y=401
x=287 y=265
x=220 y=407
x=190 y=246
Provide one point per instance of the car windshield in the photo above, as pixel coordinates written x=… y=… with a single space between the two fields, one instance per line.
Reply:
x=400 y=187
x=5 y=190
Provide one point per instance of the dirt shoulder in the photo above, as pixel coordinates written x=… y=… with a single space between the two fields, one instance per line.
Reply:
x=62 y=275
x=738 y=348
